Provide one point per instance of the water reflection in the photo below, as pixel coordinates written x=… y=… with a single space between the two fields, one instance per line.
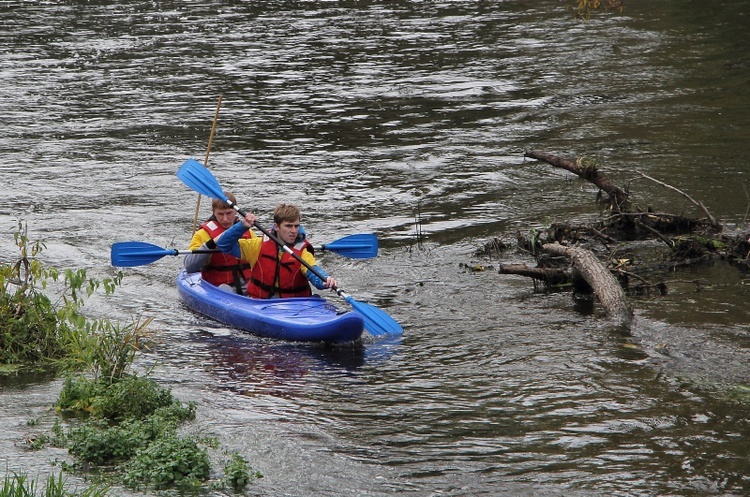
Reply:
x=21 y=380
x=255 y=366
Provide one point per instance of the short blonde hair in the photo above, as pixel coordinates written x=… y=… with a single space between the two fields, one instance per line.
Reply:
x=286 y=212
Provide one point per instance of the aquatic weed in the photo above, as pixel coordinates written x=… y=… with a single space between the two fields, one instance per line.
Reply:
x=19 y=485
x=169 y=461
x=238 y=473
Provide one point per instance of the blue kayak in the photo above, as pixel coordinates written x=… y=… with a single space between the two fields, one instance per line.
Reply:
x=306 y=319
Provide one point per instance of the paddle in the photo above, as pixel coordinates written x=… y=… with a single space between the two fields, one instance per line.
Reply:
x=200 y=179
x=359 y=246
x=130 y=254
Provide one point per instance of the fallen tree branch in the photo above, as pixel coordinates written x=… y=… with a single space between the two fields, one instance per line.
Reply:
x=550 y=275
x=619 y=199
x=656 y=233
x=688 y=240
x=605 y=286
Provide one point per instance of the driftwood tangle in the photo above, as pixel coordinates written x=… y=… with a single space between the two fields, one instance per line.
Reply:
x=598 y=254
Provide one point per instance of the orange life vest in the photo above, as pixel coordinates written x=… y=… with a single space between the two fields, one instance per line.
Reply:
x=224 y=268
x=283 y=275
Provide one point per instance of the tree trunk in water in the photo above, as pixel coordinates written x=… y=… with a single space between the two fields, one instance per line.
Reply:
x=605 y=286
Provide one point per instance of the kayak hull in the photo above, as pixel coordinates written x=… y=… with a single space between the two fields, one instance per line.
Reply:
x=306 y=319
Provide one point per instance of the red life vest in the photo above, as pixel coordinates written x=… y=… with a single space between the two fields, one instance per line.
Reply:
x=224 y=268
x=283 y=276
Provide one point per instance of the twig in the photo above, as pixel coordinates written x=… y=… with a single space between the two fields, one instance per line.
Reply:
x=656 y=233
x=712 y=221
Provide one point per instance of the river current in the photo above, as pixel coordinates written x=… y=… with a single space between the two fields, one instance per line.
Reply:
x=409 y=120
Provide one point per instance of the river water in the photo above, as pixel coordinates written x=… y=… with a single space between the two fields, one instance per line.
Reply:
x=400 y=118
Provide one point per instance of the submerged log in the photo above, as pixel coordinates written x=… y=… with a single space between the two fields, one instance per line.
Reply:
x=550 y=276
x=605 y=286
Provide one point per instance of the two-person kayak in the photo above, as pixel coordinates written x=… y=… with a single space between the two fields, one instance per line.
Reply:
x=306 y=319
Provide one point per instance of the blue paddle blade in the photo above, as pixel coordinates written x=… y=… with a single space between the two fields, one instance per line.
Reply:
x=359 y=246
x=198 y=178
x=377 y=322
x=130 y=254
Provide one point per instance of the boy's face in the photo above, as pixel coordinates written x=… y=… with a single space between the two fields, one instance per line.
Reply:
x=288 y=230
x=225 y=217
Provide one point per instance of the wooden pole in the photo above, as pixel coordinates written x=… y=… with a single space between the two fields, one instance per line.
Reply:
x=205 y=163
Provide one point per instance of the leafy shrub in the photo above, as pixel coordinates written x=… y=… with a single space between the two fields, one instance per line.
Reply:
x=169 y=461
x=131 y=397
x=237 y=473
x=128 y=422
x=34 y=329
x=98 y=443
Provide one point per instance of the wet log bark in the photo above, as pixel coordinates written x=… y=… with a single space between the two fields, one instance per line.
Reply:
x=550 y=276
x=605 y=286
x=618 y=197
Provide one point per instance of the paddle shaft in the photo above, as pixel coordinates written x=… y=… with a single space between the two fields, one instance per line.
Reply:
x=129 y=254
x=322 y=248
x=196 y=251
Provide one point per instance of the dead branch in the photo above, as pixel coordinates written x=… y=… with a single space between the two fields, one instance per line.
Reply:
x=687 y=239
x=711 y=220
x=618 y=198
x=605 y=286
x=552 y=276
x=656 y=233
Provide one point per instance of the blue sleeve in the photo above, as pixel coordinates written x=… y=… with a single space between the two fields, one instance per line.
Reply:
x=229 y=240
x=317 y=282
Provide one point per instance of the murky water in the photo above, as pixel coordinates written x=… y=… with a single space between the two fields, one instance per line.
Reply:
x=372 y=115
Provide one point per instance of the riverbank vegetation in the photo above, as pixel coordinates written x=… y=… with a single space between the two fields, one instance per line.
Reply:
x=120 y=426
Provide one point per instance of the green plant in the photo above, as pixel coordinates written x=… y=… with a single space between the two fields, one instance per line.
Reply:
x=98 y=443
x=169 y=461
x=59 y=438
x=126 y=422
x=125 y=417
x=19 y=485
x=131 y=397
x=238 y=473
x=106 y=349
x=34 y=328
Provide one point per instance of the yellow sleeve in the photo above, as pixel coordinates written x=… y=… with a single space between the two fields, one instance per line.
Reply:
x=250 y=249
x=308 y=258
x=199 y=238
